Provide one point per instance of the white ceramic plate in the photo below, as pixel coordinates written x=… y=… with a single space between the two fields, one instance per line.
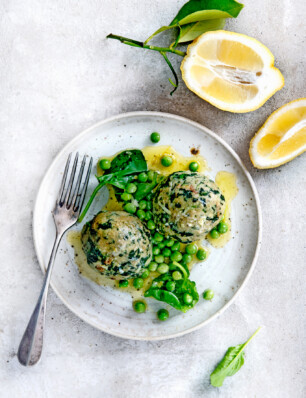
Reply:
x=226 y=270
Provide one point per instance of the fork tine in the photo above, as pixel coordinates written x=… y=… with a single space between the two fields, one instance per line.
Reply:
x=78 y=183
x=70 y=184
x=81 y=195
x=64 y=179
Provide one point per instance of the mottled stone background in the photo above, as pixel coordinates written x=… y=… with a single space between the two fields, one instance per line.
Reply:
x=59 y=76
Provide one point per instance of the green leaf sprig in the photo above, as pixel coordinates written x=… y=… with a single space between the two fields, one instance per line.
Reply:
x=175 y=298
x=123 y=168
x=193 y=19
x=230 y=364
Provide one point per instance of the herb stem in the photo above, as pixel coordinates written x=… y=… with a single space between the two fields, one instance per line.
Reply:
x=175 y=85
x=136 y=43
x=96 y=190
x=253 y=335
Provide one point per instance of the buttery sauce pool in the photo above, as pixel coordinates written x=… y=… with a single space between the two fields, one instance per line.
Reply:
x=226 y=182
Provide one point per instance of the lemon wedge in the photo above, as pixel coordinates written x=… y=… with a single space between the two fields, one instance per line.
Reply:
x=282 y=137
x=233 y=72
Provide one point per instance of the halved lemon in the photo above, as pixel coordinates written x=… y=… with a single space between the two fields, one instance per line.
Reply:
x=233 y=72
x=282 y=137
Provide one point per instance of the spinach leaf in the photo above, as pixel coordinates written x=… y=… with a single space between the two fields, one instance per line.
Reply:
x=176 y=298
x=144 y=188
x=128 y=162
x=200 y=10
x=123 y=166
x=230 y=364
x=191 y=31
x=117 y=180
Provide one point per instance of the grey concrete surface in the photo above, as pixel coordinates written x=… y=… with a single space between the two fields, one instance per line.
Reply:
x=59 y=76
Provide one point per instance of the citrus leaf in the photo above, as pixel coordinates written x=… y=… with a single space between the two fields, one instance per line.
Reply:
x=230 y=364
x=200 y=10
x=160 y=30
x=191 y=31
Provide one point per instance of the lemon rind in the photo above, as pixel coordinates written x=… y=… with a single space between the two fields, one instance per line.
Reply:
x=260 y=162
x=265 y=54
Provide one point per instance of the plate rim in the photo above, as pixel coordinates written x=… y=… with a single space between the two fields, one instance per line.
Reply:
x=207 y=131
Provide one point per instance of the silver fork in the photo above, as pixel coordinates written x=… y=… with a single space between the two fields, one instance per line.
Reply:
x=65 y=214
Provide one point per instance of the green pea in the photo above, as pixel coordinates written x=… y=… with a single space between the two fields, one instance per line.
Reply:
x=131 y=188
x=139 y=306
x=149 y=205
x=126 y=196
x=192 y=248
x=208 y=294
x=187 y=298
x=187 y=258
x=142 y=204
x=222 y=227
x=162 y=314
x=193 y=166
x=214 y=234
x=156 y=250
x=167 y=252
x=201 y=254
x=142 y=177
x=130 y=208
x=151 y=175
x=158 y=237
x=169 y=242
x=166 y=161
x=105 y=164
x=170 y=286
x=145 y=274
x=161 y=245
x=163 y=268
x=151 y=225
x=176 y=256
x=153 y=266
x=159 y=259
x=176 y=246
x=124 y=283
x=176 y=275
x=149 y=215
x=155 y=137
x=138 y=283
x=141 y=214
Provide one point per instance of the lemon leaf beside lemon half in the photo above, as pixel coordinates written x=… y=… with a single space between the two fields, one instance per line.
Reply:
x=282 y=137
x=232 y=71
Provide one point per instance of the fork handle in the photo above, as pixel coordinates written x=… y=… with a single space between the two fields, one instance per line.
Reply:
x=30 y=347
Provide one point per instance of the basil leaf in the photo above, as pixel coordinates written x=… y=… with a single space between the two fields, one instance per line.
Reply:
x=199 y=10
x=191 y=31
x=230 y=364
